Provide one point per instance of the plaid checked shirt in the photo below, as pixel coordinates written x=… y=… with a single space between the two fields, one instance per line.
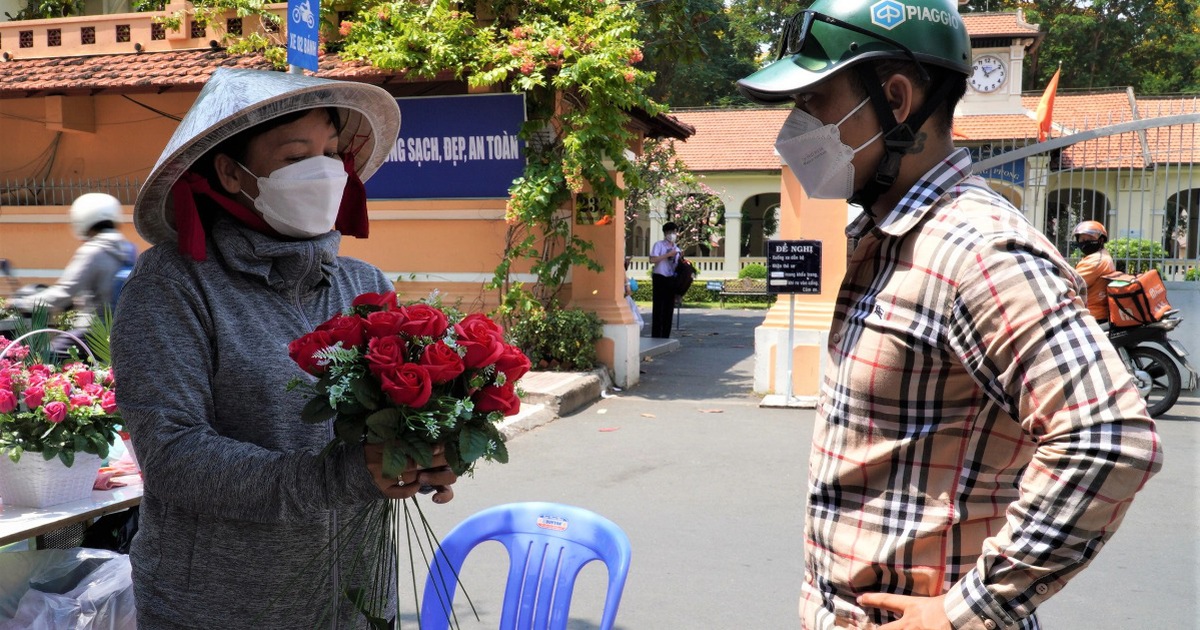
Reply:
x=977 y=435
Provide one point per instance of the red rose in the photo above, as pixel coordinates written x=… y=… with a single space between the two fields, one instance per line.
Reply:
x=347 y=329
x=385 y=355
x=513 y=363
x=384 y=301
x=482 y=338
x=493 y=398
x=442 y=362
x=409 y=385
x=383 y=323
x=303 y=349
x=423 y=320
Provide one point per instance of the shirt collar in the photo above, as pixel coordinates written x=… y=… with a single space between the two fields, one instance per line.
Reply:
x=919 y=199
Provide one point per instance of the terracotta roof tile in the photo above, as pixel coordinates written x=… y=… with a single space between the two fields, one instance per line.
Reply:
x=189 y=70
x=731 y=139
x=185 y=69
x=994 y=127
x=999 y=24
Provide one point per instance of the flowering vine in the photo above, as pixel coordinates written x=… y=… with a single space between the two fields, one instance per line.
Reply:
x=575 y=61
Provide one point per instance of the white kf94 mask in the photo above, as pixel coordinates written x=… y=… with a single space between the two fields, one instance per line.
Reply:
x=817 y=156
x=301 y=200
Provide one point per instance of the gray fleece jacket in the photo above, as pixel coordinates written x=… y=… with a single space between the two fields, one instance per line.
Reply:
x=237 y=502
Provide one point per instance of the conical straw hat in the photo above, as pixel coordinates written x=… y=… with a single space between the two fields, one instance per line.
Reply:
x=234 y=100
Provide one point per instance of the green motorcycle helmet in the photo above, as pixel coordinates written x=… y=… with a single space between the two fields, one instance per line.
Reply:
x=833 y=35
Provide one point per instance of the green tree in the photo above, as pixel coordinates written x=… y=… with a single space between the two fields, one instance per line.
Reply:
x=696 y=61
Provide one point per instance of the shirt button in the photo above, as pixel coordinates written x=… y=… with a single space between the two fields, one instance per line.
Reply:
x=1041 y=589
x=837 y=338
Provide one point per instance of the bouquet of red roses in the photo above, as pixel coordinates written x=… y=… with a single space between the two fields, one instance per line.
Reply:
x=411 y=377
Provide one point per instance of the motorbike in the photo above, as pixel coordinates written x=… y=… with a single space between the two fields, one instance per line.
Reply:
x=1157 y=363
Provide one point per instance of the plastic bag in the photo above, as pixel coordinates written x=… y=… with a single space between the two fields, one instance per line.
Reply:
x=637 y=314
x=57 y=589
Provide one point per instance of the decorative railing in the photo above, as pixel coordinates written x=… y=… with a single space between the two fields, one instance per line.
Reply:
x=122 y=33
x=62 y=192
x=709 y=267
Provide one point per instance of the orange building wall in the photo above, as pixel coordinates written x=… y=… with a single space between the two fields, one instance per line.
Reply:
x=451 y=245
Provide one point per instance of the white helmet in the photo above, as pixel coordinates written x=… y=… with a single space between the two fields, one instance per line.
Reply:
x=93 y=208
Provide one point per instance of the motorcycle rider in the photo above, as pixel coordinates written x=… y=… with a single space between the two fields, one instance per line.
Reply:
x=1090 y=237
x=87 y=283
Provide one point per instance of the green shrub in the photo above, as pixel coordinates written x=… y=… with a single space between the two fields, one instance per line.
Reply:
x=561 y=339
x=1135 y=255
x=753 y=270
x=1192 y=275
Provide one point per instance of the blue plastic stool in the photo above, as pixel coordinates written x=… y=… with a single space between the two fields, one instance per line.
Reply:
x=548 y=544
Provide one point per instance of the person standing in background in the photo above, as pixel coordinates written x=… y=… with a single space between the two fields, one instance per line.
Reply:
x=664 y=255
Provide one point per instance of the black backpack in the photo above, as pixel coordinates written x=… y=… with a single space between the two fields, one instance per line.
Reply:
x=685 y=274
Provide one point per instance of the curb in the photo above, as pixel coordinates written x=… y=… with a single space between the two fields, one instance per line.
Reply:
x=551 y=395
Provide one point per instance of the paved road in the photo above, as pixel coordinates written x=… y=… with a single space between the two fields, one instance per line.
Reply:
x=710 y=489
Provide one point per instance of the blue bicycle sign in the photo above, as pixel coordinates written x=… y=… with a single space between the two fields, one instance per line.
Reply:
x=303 y=42
x=303 y=13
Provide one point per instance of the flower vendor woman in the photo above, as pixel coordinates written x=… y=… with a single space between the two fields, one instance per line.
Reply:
x=246 y=209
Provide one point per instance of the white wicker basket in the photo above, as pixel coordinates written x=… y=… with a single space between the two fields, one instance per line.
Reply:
x=35 y=482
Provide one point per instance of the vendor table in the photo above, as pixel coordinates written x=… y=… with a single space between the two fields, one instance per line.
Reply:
x=22 y=523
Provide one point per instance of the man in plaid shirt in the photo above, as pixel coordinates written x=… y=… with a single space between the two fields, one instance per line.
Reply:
x=978 y=438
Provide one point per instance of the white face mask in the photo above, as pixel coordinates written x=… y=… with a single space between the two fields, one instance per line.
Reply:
x=672 y=237
x=817 y=155
x=301 y=200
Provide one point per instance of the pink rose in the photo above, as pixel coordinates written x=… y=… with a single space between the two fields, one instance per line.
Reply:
x=513 y=363
x=95 y=390
x=17 y=352
x=8 y=401
x=302 y=350
x=482 y=339
x=384 y=301
x=385 y=355
x=423 y=320
x=409 y=385
x=56 y=411
x=493 y=398
x=383 y=323
x=347 y=329
x=81 y=399
x=41 y=371
x=442 y=362
x=83 y=378
x=34 y=396
x=108 y=402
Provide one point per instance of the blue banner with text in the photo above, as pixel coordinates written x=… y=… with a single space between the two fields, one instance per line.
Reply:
x=456 y=147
